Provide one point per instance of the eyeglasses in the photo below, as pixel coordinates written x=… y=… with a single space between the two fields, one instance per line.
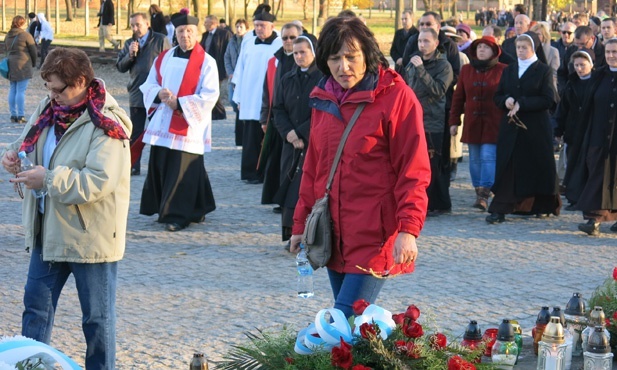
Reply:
x=55 y=91
x=566 y=32
x=285 y=38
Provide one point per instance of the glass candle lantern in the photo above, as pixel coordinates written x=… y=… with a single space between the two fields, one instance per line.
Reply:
x=552 y=347
x=596 y=318
x=597 y=355
x=544 y=316
x=566 y=334
x=472 y=338
x=518 y=336
x=575 y=316
x=505 y=350
x=489 y=337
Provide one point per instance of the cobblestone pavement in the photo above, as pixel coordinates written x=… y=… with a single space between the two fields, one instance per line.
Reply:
x=201 y=288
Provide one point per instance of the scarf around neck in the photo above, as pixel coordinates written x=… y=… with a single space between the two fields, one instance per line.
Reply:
x=62 y=117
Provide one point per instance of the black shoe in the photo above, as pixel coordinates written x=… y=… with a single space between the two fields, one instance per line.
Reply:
x=174 y=227
x=135 y=172
x=571 y=207
x=277 y=210
x=13 y=119
x=438 y=212
x=288 y=246
x=543 y=215
x=199 y=220
x=614 y=227
x=254 y=182
x=590 y=228
x=495 y=218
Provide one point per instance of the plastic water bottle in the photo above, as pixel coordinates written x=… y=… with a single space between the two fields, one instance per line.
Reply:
x=26 y=165
x=305 y=274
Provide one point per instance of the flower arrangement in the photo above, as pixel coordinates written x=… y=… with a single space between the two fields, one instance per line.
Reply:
x=605 y=296
x=373 y=339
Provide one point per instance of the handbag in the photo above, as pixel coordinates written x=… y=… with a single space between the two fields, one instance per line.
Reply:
x=317 y=236
x=4 y=63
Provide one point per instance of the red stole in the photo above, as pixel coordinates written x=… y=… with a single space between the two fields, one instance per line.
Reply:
x=178 y=125
x=270 y=76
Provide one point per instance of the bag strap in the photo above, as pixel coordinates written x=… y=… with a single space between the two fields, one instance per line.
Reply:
x=339 y=150
x=12 y=44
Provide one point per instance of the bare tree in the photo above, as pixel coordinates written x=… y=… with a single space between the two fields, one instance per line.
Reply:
x=69 y=13
x=322 y=8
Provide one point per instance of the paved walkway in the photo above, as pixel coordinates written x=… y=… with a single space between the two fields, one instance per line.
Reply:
x=201 y=288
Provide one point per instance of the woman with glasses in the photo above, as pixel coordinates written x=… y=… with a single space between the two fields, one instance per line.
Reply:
x=21 y=51
x=378 y=198
x=525 y=177
x=75 y=223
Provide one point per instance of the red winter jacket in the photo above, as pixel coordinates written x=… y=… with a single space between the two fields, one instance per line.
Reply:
x=474 y=97
x=380 y=185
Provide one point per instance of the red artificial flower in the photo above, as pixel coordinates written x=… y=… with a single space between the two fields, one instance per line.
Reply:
x=408 y=348
x=398 y=318
x=615 y=315
x=341 y=356
x=367 y=329
x=413 y=330
x=457 y=363
x=615 y=273
x=438 y=341
x=359 y=306
x=289 y=360
x=361 y=367
x=412 y=312
x=607 y=322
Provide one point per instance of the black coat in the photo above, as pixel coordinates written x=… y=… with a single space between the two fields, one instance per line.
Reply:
x=398 y=45
x=157 y=23
x=530 y=151
x=292 y=112
x=106 y=15
x=217 y=49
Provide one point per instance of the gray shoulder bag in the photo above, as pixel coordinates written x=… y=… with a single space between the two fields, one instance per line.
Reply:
x=317 y=237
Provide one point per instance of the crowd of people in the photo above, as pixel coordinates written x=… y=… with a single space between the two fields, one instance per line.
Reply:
x=314 y=117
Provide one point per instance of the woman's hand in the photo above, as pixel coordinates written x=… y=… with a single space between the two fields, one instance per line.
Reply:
x=405 y=248
x=453 y=130
x=298 y=144
x=294 y=243
x=292 y=136
x=11 y=162
x=32 y=179
x=510 y=103
x=514 y=110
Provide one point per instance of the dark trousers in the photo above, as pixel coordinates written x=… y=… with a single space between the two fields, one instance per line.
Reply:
x=44 y=50
x=138 y=117
x=439 y=190
x=252 y=137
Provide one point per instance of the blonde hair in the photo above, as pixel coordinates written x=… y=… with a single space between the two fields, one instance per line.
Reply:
x=542 y=30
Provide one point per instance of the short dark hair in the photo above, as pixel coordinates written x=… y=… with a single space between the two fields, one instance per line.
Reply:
x=497 y=31
x=70 y=65
x=434 y=14
x=31 y=15
x=243 y=21
x=341 y=30
x=610 y=19
x=139 y=14
x=611 y=42
x=583 y=31
x=347 y=13
x=520 y=8
x=432 y=32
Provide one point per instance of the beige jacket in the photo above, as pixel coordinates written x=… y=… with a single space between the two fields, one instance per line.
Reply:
x=88 y=185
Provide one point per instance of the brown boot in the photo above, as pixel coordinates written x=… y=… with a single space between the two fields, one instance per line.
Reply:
x=482 y=198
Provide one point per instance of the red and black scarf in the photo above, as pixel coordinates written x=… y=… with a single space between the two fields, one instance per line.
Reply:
x=61 y=117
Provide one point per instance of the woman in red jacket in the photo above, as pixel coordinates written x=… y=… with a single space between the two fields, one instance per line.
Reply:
x=378 y=199
x=474 y=97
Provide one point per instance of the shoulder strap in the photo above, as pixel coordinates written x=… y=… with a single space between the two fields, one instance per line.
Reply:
x=12 y=44
x=339 y=151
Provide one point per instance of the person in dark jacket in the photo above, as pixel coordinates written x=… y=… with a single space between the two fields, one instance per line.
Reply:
x=106 y=21
x=35 y=25
x=473 y=97
x=157 y=19
x=292 y=119
x=270 y=155
x=571 y=117
x=565 y=41
x=21 y=51
x=215 y=41
x=583 y=39
x=400 y=40
x=231 y=57
x=596 y=165
x=525 y=177
x=136 y=57
x=429 y=75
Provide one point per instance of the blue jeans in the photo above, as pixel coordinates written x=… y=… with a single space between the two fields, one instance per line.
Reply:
x=96 y=289
x=482 y=161
x=348 y=288
x=17 y=97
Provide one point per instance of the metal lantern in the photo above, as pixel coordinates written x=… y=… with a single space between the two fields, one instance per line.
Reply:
x=597 y=355
x=552 y=347
x=575 y=315
x=472 y=338
x=596 y=318
x=544 y=316
x=566 y=334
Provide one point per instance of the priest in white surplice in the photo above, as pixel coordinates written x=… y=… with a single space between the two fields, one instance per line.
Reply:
x=249 y=78
x=179 y=94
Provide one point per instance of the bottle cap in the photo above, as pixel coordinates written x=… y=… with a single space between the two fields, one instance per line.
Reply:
x=576 y=305
x=506 y=331
x=21 y=155
x=596 y=317
x=598 y=341
x=544 y=316
x=198 y=354
x=473 y=332
x=554 y=332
